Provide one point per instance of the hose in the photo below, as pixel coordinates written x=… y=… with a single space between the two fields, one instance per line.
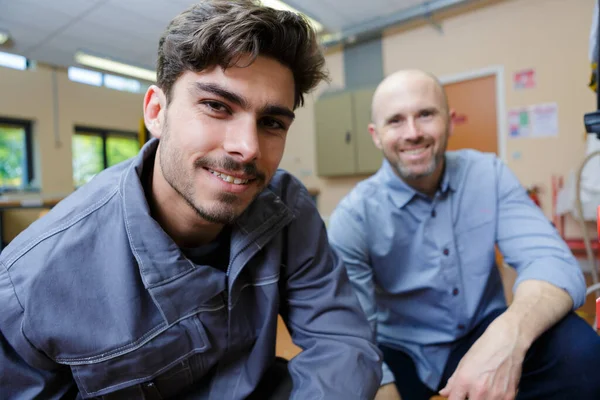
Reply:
x=586 y=236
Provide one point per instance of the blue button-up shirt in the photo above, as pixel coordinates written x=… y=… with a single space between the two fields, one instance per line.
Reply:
x=424 y=268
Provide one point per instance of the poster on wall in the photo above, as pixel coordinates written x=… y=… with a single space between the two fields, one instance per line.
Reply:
x=518 y=122
x=544 y=120
x=524 y=79
x=538 y=120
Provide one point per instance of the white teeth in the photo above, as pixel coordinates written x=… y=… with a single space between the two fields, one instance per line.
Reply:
x=229 y=179
x=415 y=151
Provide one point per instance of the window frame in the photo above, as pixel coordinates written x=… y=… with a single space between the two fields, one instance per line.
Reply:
x=104 y=134
x=29 y=173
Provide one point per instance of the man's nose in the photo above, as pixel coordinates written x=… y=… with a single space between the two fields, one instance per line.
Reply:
x=412 y=130
x=242 y=141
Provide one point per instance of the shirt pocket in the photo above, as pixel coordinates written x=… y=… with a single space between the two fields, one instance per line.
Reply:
x=154 y=367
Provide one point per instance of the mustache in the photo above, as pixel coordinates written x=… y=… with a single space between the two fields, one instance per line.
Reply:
x=229 y=164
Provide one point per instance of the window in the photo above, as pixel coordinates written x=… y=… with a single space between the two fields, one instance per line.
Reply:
x=95 y=78
x=13 y=61
x=85 y=76
x=96 y=149
x=16 y=159
x=123 y=84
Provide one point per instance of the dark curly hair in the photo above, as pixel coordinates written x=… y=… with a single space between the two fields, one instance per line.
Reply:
x=221 y=32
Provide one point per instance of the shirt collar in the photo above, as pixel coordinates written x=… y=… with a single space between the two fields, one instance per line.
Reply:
x=403 y=193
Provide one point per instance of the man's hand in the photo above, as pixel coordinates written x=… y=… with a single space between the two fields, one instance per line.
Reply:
x=388 y=392
x=491 y=369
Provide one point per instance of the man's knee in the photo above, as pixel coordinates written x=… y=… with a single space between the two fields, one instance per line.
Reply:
x=577 y=344
x=566 y=356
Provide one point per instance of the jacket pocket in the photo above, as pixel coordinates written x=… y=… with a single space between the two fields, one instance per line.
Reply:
x=155 y=367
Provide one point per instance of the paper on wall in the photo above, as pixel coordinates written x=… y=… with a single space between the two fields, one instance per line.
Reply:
x=539 y=120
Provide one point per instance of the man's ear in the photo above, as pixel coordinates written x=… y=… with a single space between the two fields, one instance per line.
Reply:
x=451 y=116
x=155 y=106
x=375 y=136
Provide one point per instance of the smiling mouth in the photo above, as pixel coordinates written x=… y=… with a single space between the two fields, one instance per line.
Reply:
x=229 y=178
x=417 y=151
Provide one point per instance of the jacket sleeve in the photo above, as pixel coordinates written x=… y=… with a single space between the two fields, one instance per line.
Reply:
x=529 y=242
x=347 y=235
x=339 y=358
x=25 y=372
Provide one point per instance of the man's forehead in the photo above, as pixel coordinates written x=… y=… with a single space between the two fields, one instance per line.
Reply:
x=406 y=93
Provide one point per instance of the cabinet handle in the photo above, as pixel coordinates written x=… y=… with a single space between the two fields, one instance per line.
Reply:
x=348 y=137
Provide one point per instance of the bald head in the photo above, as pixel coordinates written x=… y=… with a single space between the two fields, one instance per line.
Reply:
x=405 y=83
x=411 y=125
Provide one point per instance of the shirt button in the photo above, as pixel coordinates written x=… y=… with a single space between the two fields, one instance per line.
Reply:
x=461 y=327
x=433 y=213
x=455 y=292
x=446 y=252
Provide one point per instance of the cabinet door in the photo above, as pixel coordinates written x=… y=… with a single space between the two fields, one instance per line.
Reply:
x=335 y=137
x=368 y=157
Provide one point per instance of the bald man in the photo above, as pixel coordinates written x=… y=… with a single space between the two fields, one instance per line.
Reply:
x=418 y=239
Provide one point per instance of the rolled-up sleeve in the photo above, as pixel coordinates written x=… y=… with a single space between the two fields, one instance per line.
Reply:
x=530 y=243
x=347 y=235
x=339 y=359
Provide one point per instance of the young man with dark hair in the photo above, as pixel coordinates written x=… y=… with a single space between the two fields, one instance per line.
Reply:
x=164 y=276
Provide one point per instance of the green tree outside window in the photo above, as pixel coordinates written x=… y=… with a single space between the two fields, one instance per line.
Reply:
x=12 y=156
x=120 y=148
x=97 y=149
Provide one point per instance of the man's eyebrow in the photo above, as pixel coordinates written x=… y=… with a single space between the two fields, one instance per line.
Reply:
x=270 y=109
x=391 y=117
x=221 y=92
x=278 y=110
x=432 y=109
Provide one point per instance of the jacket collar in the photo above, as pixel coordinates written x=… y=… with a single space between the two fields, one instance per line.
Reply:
x=159 y=256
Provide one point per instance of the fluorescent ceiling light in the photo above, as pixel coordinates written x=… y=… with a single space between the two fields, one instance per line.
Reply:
x=280 y=5
x=4 y=37
x=115 y=66
x=13 y=61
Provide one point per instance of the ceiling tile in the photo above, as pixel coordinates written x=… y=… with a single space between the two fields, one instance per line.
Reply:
x=72 y=8
x=109 y=17
x=156 y=12
x=52 y=55
x=96 y=39
x=34 y=15
x=24 y=38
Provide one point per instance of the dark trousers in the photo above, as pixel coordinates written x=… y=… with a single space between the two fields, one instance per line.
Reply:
x=276 y=383
x=563 y=363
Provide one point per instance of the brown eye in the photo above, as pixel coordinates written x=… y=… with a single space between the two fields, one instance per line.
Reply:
x=271 y=123
x=215 y=106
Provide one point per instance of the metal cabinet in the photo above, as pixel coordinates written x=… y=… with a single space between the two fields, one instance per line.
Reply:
x=344 y=146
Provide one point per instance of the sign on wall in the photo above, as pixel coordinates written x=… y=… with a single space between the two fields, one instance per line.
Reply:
x=524 y=79
x=538 y=120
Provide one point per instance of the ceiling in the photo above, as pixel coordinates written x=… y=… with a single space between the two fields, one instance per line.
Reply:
x=51 y=31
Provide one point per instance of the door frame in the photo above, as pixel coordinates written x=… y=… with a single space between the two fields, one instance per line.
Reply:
x=501 y=123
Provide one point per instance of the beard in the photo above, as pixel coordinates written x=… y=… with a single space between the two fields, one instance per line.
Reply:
x=227 y=206
x=407 y=172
